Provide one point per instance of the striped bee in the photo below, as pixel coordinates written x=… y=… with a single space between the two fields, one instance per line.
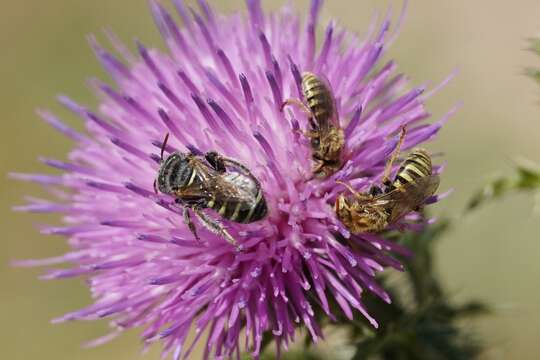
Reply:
x=214 y=182
x=375 y=210
x=326 y=136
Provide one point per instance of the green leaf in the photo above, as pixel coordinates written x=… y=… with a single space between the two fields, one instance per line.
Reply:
x=534 y=73
x=526 y=178
x=535 y=45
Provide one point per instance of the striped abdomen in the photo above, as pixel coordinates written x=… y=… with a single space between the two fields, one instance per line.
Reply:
x=239 y=211
x=318 y=97
x=246 y=205
x=415 y=166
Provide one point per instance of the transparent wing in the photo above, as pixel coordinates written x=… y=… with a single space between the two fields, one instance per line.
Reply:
x=195 y=191
x=408 y=197
x=334 y=117
x=233 y=188
x=192 y=193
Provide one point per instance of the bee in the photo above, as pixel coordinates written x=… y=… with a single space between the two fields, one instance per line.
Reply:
x=374 y=211
x=326 y=136
x=213 y=182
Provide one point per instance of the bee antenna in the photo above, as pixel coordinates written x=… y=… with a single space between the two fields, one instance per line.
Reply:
x=155 y=187
x=395 y=154
x=163 y=146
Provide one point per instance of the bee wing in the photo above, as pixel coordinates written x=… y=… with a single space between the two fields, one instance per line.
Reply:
x=408 y=197
x=203 y=170
x=334 y=118
x=196 y=191
x=225 y=191
x=192 y=193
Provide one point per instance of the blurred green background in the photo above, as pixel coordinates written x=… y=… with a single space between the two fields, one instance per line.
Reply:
x=491 y=255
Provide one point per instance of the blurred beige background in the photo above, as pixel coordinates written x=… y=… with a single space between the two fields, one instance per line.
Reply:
x=492 y=255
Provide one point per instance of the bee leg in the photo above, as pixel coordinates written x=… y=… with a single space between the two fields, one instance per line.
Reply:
x=359 y=196
x=313 y=123
x=216 y=227
x=189 y=223
x=237 y=165
x=216 y=161
x=348 y=186
x=307 y=134
x=316 y=171
x=386 y=178
x=297 y=103
x=341 y=204
x=319 y=165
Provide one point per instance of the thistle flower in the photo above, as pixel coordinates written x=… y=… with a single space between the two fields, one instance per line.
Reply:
x=220 y=87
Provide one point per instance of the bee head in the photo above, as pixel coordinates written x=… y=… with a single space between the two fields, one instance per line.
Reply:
x=315 y=143
x=173 y=174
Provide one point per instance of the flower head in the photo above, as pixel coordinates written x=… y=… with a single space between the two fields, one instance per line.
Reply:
x=220 y=87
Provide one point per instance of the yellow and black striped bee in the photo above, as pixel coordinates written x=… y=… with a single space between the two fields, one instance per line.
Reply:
x=214 y=182
x=375 y=210
x=326 y=136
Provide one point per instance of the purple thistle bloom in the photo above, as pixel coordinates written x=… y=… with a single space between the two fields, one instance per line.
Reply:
x=220 y=88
